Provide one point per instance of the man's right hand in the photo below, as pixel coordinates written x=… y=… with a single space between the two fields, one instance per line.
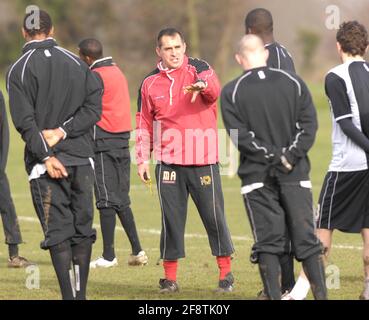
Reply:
x=53 y=136
x=55 y=168
x=144 y=172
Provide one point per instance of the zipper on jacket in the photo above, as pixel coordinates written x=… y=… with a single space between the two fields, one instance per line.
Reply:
x=170 y=89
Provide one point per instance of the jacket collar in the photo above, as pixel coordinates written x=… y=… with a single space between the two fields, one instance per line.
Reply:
x=103 y=62
x=38 y=44
x=167 y=71
x=271 y=45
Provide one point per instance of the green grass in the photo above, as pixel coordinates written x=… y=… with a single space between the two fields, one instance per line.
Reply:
x=197 y=273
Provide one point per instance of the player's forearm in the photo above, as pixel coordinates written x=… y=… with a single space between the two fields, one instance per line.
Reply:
x=36 y=143
x=354 y=134
x=212 y=91
x=300 y=147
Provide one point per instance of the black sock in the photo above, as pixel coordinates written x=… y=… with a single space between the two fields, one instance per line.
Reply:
x=61 y=257
x=13 y=250
x=314 y=270
x=129 y=225
x=287 y=271
x=107 y=223
x=270 y=272
x=81 y=262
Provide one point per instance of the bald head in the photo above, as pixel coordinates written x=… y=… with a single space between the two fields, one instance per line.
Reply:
x=251 y=52
x=250 y=44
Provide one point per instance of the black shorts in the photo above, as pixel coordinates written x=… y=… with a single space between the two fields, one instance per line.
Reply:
x=175 y=184
x=65 y=206
x=112 y=179
x=275 y=207
x=343 y=201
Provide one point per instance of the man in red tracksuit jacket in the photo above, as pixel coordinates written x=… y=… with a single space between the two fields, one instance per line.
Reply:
x=177 y=119
x=112 y=157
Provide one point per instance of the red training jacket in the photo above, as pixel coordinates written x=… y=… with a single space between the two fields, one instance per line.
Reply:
x=179 y=132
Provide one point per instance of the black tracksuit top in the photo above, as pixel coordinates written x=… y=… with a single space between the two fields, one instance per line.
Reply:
x=50 y=87
x=273 y=111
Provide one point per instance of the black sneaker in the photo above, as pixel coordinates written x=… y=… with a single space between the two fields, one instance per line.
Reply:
x=168 y=286
x=226 y=285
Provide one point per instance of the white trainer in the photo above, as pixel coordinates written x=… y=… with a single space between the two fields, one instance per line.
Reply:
x=102 y=263
x=287 y=296
x=140 y=260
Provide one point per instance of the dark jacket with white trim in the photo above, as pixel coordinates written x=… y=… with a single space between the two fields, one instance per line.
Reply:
x=274 y=114
x=50 y=87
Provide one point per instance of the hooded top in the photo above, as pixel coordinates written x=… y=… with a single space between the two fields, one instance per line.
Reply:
x=179 y=131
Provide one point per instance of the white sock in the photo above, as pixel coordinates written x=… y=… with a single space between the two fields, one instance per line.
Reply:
x=301 y=289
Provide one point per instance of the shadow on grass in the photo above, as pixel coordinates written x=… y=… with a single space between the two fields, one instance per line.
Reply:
x=49 y=290
x=151 y=292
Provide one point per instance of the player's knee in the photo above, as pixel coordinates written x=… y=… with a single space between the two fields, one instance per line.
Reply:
x=126 y=210
x=107 y=212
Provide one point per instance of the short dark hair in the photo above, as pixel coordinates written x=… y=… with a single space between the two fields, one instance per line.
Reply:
x=260 y=20
x=91 y=48
x=168 y=32
x=43 y=27
x=353 y=38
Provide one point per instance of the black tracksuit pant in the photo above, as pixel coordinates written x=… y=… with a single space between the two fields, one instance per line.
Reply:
x=175 y=183
x=275 y=207
x=65 y=206
x=8 y=213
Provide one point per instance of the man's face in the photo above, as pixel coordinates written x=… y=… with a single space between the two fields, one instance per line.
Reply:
x=171 y=51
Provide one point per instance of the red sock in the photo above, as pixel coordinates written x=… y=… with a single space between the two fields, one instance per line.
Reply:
x=170 y=269
x=224 y=265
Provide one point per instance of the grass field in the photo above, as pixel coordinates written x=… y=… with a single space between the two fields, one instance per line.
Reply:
x=197 y=274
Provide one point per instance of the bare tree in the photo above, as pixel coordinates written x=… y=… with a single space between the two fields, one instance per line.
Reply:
x=193 y=27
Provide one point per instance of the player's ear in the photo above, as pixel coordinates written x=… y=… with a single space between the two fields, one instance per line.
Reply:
x=158 y=51
x=51 y=33
x=238 y=58
x=89 y=60
x=366 y=50
x=184 y=46
x=24 y=33
x=339 y=49
x=266 y=53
